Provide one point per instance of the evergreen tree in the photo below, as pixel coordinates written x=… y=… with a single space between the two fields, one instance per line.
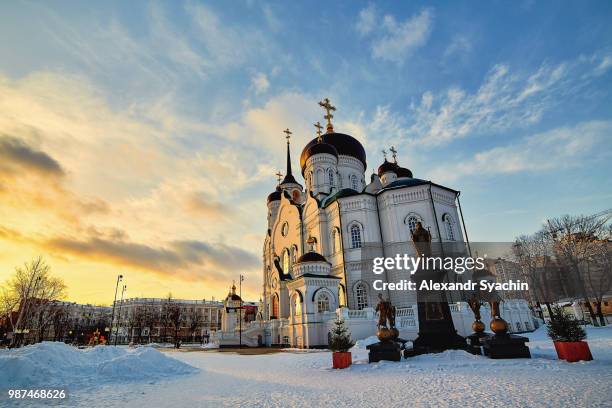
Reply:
x=564 y=327
x=340 y=339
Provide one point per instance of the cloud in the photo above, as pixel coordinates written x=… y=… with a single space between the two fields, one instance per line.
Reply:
x=200 y=203
x=562 y=147
x=189 y=259
x=366 y=21
x=396 y=41
x=143 y=190
x=273 y=22
x=16 y=153
x=604 y=65
x=460 y=45
x=506 y=98
x=226 y=45
x=174 y=45
x=260 y=83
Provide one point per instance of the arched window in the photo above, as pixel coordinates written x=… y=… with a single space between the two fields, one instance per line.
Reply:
x=354 y=183
x=341 y=296
x=294 y=254
x=286 y=261
x=331 y=177
x=336 y=244
x=296 y=305
x=274 y=307
x=448 y=224
x=323 y=303
x=355 y=236
x=412 y=222
x=361 y=296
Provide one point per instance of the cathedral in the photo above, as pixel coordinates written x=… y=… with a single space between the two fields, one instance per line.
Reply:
x=322 y=238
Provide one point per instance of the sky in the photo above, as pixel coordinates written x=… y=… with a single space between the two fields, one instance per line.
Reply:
x=141 y=138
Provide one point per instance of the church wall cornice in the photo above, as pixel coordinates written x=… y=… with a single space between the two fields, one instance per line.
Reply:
x=320 y=159
x=359 y=202
x=412 y=195
x=349 y=161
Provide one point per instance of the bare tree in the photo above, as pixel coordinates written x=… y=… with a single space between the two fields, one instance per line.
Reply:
x=150 y=319
x=534 y=256
x=9 y=301
x=165 y=316
x=60 y=322
x=132 y=322
x=598 y=272
x=33 y=287
x=175 y=317
x=195 y=321
x=575 y=240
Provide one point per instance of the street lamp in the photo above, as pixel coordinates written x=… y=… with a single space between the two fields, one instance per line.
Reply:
x=119 y=316
x=240 y=311
x=119 y=278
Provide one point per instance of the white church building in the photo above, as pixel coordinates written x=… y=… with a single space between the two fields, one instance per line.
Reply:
x=322 y=238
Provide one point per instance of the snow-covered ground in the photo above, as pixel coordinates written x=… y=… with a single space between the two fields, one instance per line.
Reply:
x=51 y=364
x=286 y=379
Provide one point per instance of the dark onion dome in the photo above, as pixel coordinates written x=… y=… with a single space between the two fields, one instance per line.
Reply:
x=275 y=196
x=321 y=148
x=311 y=257
x=403 y=172
x=386 y=167
x=344 y=144
x=232 y=294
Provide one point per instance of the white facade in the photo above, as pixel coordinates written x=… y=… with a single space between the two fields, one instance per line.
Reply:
x=147 y=319
x=348 y=222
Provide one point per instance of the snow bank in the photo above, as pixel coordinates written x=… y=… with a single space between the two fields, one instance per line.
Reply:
x=49 y=363
x=363 y=343
x=210 y=346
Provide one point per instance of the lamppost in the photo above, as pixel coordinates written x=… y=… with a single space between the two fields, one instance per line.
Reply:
x=240 y=311
x=119 y=315
x=110 y=331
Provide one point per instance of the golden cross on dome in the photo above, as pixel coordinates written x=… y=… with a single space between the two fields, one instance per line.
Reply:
x=329 y=108
x=279 y=176
x=394 y=152
x=319 y=127
x=288 y=133
x=384 y=152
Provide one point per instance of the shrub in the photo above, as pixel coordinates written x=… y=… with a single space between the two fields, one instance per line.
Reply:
x=564 y=327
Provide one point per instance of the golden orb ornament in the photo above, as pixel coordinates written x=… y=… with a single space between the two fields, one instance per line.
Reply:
x=499 y=326
x=384 y=334
x=478 y=326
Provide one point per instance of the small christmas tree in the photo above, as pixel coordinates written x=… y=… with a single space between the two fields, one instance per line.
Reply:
x=564 y=327
x=340 y=339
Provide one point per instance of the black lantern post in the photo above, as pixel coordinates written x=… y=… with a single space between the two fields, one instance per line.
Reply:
x=110 y=330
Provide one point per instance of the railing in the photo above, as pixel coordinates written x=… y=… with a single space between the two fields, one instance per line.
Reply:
x=357 y=314
x=405 y=311
x=348 y=314
x=405 y=317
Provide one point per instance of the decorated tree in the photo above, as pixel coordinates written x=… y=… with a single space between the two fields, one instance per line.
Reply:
x=564 y=327
x=340 y=339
